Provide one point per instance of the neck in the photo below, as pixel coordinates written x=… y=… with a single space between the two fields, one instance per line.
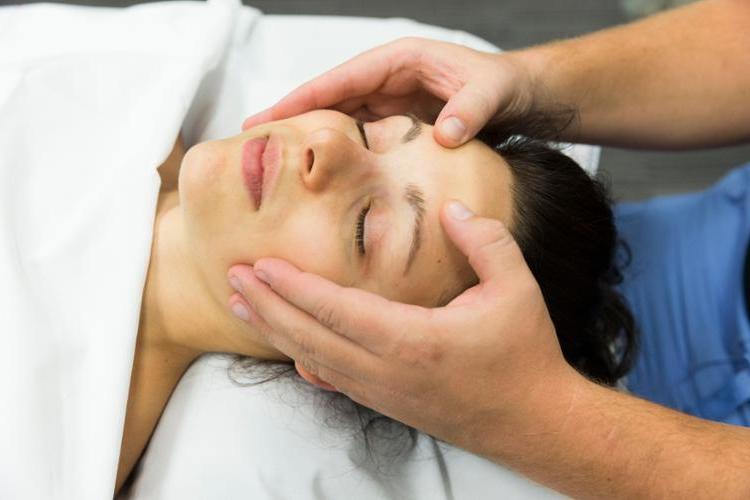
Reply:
x=180 y=315
x=179 y=322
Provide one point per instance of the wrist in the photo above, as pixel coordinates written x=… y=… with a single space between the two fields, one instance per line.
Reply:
x=523 y=428
x=536 y=63
x=543 y=93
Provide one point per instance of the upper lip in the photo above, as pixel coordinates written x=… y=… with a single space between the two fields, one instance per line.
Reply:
x=252 y=167
x=271 y=163
x=261 y=158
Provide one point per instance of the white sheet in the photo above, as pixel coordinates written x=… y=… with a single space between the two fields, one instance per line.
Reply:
x=276 y=441
x=87 y=113
x=100 y=95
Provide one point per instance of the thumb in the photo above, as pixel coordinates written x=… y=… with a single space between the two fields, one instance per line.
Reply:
x=490 y=247
x=464 y=115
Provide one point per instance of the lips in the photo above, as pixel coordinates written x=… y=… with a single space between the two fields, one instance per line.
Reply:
x=252 y=168
x=261 y=158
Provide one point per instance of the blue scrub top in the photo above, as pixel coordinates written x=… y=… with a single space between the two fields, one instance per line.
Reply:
x=686 y=290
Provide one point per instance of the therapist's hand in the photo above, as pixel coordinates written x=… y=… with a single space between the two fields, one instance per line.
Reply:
x=458 y=88
x=460 y=373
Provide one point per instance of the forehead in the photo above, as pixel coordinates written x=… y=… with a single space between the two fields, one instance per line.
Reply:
x=474 y=174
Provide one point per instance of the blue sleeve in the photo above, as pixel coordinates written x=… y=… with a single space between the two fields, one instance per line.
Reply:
x=686 y=290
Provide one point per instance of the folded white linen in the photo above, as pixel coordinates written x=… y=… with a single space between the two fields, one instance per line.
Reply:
x=87 y=113
x=91 y=101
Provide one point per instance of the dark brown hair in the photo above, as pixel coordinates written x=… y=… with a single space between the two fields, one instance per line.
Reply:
x=564 y=225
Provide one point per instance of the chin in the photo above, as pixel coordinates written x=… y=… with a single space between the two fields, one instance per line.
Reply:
x=202 y=173
x=206 y=207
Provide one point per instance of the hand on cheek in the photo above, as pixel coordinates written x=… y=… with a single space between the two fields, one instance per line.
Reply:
x=422 y=366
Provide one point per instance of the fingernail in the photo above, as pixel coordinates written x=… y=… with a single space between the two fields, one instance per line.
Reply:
x=234 y=281
x=453 y=128
x=262 y=276
x=240 y=311
x=458 y=210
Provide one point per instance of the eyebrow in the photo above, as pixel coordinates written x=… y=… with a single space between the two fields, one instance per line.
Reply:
x=414 y=131
x=414 y=196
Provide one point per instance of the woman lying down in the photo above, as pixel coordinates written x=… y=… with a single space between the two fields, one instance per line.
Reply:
x=358 y=203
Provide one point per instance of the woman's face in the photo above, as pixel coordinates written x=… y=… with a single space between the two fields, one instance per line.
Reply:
x=360 y=214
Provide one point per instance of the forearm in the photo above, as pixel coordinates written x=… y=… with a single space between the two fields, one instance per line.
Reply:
x=590 y=441
x=678 y=80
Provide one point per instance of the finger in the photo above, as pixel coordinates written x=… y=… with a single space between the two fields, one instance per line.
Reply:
x=358 y=108
x=366 y=319
x=489 y=245
x=300 y=100
x=300 y=336
x=313 y=379
x=359 y=76
x=381 y=106
x=257 y=119
x=464 y=115
x=355 y=106
x=306 y=368
x=365 y=115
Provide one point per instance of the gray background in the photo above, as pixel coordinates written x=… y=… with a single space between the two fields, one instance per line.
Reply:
x=517 y=23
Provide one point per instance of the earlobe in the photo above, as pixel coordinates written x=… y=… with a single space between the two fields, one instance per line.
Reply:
x=313 y=379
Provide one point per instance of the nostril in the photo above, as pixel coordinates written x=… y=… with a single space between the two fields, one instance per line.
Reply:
x=310 y=160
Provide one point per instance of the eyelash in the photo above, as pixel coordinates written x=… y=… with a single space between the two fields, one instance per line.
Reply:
x=359 y=234
x=361 y=127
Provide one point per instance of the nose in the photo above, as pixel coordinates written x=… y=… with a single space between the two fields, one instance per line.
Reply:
x=331 y=158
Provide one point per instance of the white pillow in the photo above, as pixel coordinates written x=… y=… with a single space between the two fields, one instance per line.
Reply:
x=279 y=440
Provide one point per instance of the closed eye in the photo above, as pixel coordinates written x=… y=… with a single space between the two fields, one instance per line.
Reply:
x=359 y=233
x=361 y=127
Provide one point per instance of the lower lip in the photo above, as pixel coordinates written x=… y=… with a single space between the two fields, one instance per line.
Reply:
x=252 y=168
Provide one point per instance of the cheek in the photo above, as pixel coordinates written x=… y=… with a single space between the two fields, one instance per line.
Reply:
x=201 y=171
x=308 y=241
x=212 y=196
x=213 y=209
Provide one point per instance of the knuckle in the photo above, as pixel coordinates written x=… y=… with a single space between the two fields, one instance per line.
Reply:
x=267 y=334
x=304 y=342
x=431 y=353
x=262 y=326
x=497 y=231
x=418 y=350
x=409 y=41
x=326 y=314
x=329 y=376
x=498 y=238
x=528 y=287
x=480 y=257
x=406 y=52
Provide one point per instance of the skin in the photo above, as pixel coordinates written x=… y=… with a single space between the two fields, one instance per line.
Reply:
x=207 y=221
x=679 y=80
